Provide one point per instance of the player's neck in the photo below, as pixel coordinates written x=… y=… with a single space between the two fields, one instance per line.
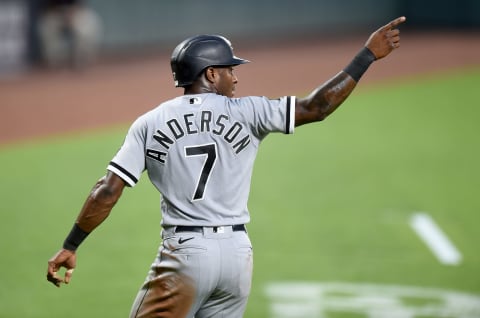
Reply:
x=200 y=86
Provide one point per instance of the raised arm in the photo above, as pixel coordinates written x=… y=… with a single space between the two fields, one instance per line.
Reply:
x=96 y=209
x=325 y=99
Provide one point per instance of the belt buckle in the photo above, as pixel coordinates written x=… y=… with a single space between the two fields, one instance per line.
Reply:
x=219 y=229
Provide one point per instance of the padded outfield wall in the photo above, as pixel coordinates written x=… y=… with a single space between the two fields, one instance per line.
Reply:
x=130 y=26
x=155 y=23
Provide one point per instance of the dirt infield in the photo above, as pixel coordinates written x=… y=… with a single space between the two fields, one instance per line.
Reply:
x=43 y=103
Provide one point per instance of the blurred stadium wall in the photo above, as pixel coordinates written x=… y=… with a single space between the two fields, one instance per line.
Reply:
x=131 y=26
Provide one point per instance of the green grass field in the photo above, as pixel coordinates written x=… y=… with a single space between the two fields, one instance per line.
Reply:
x=330 y=203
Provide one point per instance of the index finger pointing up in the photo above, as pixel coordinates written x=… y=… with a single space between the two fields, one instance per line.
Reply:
x=392 y=24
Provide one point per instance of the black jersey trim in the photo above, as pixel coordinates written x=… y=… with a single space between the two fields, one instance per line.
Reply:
x=128 y=174
x=287 y=121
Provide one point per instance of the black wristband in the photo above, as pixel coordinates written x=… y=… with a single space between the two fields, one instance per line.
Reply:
x=75 y=238
x=360 y=63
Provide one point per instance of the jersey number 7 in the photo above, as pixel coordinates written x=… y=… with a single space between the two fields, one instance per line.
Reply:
x=209 y=151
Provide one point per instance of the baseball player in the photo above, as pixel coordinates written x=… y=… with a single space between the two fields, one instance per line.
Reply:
x=198 y=150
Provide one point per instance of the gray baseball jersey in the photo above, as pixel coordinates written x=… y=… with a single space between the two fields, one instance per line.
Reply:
x=181 y=143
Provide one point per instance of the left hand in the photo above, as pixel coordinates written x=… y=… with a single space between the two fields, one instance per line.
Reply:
x=383 y=41
x=63 y=258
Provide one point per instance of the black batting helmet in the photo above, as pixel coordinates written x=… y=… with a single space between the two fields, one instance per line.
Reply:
x=197 y=53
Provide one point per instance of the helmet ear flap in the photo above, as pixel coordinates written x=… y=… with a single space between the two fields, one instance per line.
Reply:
x=195 y=54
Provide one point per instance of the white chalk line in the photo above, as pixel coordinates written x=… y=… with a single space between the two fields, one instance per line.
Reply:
x=322 y=300
x=433 y=236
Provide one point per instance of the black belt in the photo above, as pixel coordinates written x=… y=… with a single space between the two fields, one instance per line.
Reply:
x=199 y=229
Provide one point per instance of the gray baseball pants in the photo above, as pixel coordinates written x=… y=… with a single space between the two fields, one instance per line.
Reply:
x=199 y=272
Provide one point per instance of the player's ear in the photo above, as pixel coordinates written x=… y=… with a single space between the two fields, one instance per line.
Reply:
x=210 y=74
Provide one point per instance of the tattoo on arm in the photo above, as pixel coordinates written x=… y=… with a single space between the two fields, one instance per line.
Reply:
x=100 y=202
x=324 y=100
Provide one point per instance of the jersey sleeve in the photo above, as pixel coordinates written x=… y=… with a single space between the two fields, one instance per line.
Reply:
x=270 y=115
x=129 y=162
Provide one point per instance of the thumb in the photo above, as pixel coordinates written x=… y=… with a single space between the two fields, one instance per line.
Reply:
x=68 y=275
